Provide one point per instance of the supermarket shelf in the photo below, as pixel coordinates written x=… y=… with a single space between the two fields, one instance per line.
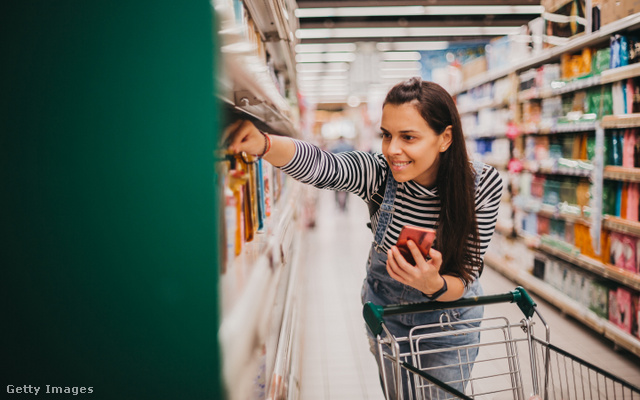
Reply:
x=252 y=285
x=558 y=5
x=565 y=304
x=276 y=23
x=484 y=104
x=621 y=225
x=562 y=128
x=269 y=19
x=258 y=114
x=618 y=74
x=622 y=173
x=493 y=135
x=565 y=217
x=629 y=23
x=621 y=121
x=619 y=275
x=563 y=87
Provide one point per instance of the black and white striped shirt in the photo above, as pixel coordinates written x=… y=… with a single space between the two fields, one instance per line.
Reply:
x=362 y=173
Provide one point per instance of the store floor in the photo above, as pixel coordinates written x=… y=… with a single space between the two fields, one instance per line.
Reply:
x=336 y=363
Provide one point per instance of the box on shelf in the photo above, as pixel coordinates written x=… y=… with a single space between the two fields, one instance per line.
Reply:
x=635 y=309
x=613 y=10
x=599 y=298
x=474 y=67
x=620 y=308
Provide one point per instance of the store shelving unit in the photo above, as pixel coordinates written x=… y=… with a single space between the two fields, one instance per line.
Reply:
x=108 y=218
x=260 y=287
x=522 y=273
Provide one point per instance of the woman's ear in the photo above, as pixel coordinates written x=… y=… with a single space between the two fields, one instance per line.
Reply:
x=446 y=137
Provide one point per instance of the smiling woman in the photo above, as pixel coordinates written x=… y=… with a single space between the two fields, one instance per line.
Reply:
x=428 y=182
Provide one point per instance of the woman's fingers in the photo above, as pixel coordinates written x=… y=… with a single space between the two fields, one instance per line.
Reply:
x=436 y=258
x=245 y=137
x=415 y=251
x=400 y=267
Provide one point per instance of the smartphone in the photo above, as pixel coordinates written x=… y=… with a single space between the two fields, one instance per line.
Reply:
x=422 y=237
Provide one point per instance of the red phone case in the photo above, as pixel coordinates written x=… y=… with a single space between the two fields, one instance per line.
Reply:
x=422 y=237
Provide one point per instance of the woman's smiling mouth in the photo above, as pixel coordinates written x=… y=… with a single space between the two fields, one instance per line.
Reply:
x=399 y=165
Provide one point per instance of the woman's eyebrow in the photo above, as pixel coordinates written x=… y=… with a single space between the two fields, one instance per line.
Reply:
x=401 y=132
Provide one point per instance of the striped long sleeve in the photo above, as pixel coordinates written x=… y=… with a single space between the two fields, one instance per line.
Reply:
x=361 y=173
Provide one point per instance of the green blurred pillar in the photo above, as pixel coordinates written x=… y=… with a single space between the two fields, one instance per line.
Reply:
x=109 y=258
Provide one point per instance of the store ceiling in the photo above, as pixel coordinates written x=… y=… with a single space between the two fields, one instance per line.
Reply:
x=336 y=36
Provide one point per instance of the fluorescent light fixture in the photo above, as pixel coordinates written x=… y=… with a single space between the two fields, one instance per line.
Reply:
x=322 y=67
x=407 y=31
x=411 y=46
x=357 y=11
x=401 y=56
x=312 y=78
x=399 y=66
x=325 y=47
x=324 y=93
x=322 y=84
x=328 y=12
x=398 y=75
x=325 y=57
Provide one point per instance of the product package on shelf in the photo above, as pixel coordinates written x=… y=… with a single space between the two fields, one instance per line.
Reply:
x=623 y=252
x=620 y=308
x=599 y=298
x=575 y=66
x=601 y=60
x=261 y=194
x=635 y=308
x=619 y=51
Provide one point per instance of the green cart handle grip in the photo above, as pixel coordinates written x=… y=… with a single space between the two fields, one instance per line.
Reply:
x=373 y=314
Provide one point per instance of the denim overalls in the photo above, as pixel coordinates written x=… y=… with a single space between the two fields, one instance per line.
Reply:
x=380 y=289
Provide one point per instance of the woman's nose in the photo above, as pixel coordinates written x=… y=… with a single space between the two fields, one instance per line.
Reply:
x=394 y=147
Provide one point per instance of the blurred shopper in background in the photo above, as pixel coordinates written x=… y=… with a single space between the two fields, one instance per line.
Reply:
x=341 y=146
x=428 y=181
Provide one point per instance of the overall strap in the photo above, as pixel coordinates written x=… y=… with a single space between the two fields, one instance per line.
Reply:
x=386 y=209
x=377 y=198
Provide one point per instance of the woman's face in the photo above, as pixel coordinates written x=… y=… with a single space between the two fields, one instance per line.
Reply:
x=410 y=146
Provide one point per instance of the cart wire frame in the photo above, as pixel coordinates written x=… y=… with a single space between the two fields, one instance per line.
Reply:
x=554 y=372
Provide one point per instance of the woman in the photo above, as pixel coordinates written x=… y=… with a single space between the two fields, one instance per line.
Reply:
x=429 y=182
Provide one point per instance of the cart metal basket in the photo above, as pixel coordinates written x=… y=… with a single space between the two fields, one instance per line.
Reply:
x=512 y=362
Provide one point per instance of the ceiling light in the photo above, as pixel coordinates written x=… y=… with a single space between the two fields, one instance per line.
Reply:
x=397 y=75
x=321 y=77
x=329 y=12
x=322 y=82
x=322 y=67
x=325 y=47
x=408 y=31
x=401 y=56
x=400 y=66
x=409 y=46
x=325 y=57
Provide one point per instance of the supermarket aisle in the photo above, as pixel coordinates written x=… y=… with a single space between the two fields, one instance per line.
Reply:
x=336 y=360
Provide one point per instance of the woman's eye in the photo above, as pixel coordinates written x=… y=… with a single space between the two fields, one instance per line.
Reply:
x=408 y=137
x=385 y=135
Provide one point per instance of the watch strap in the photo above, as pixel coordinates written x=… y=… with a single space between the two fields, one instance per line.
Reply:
x=438 y=293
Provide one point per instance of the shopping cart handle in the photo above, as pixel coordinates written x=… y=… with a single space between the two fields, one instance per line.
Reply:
x=373 y=314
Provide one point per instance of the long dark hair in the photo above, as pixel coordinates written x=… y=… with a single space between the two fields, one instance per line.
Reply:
x=457 y=226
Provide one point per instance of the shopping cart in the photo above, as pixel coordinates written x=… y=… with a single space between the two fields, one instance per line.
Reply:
x=512 y=362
